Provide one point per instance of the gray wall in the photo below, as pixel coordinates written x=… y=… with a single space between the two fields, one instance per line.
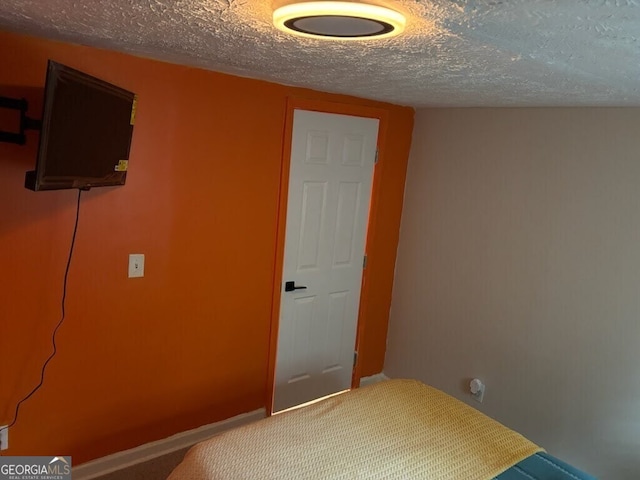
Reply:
x=519 y=263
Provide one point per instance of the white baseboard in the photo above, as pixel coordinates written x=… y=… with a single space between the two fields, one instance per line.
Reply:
x=378 y=377
x=149 y=451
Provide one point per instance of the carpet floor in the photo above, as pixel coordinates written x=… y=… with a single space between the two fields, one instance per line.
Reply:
x=156 y=469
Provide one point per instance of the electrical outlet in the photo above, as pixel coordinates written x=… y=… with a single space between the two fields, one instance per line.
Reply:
x=4 y=437
x=477 y=390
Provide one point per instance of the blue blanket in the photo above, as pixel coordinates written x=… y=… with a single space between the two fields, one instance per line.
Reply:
x=542 y=466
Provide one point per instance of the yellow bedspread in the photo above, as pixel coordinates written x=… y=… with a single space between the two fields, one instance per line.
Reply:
x=398 y=429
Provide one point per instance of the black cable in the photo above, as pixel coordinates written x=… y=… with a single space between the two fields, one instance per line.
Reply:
x=55 y=330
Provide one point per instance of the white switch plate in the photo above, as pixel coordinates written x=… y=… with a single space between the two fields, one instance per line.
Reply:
x=136 y=265
x=4 y=437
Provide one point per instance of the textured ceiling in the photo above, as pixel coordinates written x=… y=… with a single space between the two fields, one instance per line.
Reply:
x=454 y=52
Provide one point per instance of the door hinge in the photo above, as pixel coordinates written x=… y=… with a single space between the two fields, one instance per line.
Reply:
x=364 y=262
x=375 y=160
x=355 y=359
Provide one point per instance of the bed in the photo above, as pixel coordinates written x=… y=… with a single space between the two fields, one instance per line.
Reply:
x=397 y=429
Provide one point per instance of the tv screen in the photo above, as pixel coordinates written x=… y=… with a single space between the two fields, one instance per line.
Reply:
x=87 y=125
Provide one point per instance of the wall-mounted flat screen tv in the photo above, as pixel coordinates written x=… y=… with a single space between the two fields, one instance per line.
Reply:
x=87 y=126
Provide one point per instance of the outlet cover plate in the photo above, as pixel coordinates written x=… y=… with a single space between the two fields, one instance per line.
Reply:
x=479 y=397
x=4 y=437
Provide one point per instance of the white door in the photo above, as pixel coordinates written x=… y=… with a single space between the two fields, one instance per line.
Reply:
x=331 y=172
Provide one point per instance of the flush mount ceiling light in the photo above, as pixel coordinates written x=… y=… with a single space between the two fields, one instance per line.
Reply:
x=338 y=20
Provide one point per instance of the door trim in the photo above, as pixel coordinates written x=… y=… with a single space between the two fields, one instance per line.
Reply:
x=302 y=103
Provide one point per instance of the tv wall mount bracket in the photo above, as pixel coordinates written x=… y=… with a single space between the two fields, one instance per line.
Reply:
x=26 y=123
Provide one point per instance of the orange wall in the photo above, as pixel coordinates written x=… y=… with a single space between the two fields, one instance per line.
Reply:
x=140 y=359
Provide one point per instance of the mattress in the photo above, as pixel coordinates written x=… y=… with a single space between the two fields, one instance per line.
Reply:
x=398 y=429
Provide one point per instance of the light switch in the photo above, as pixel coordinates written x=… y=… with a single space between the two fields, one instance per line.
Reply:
x=136 y=265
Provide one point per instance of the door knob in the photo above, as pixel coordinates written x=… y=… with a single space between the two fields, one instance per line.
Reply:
x=291 y=286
